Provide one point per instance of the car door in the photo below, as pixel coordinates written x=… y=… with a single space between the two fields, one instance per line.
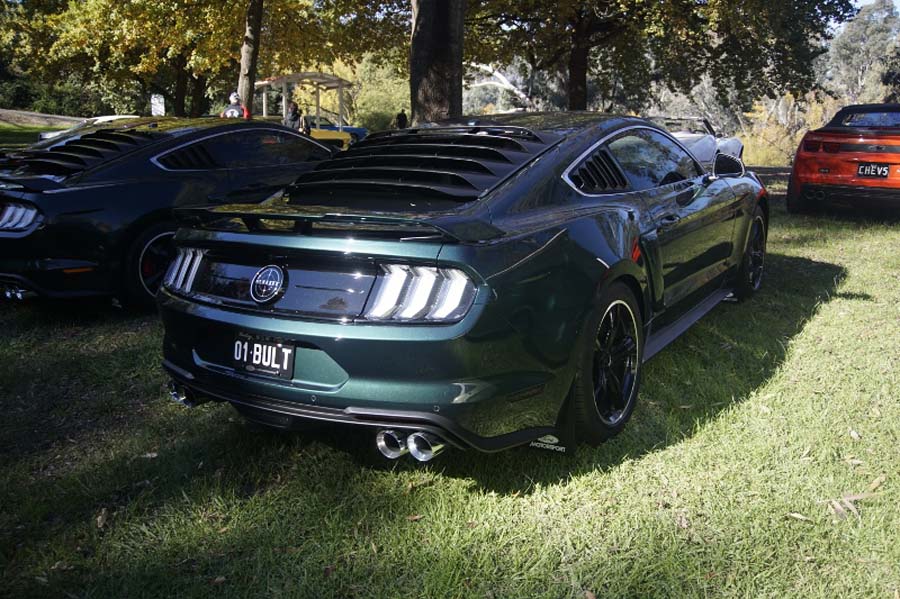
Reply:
x=691 y=214
x=260 y=162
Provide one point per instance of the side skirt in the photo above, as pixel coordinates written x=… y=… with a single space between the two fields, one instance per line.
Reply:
x=660 y=339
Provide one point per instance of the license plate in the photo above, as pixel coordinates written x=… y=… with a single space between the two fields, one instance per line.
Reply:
x=871 y=169
x=268 y=357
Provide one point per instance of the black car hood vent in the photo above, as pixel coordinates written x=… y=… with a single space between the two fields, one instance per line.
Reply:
x=77 y=155
x=453 y=164
x=598 y=174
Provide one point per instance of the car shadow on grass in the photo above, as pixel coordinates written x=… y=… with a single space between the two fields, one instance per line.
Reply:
x=719 y=362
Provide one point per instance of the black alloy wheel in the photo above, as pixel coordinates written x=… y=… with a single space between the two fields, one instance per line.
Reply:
x=605 y=389
x=750 y=274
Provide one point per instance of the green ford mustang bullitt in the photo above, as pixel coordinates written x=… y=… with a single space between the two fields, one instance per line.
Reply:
x=472 y=284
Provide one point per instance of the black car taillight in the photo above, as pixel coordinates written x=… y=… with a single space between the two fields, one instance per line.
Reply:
x=17 y=217
x=811 y=145
x=831 y=146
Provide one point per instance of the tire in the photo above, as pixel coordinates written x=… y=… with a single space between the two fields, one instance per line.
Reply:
x=750 y=273
x=145 y=265
x=605 y=388
x=794 y=203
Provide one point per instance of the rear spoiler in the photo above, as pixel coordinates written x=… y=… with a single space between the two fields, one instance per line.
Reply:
x=262 y=219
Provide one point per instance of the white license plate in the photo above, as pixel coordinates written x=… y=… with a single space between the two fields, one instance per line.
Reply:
x=263 y=356
x=871 y=169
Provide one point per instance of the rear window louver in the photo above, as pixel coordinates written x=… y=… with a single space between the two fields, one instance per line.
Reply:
x=81 y=154
x=192 y=157
x=455 y=163
x=598 y=174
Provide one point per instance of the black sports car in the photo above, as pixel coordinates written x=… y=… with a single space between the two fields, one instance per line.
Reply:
x=90 y=213
x=477 y=284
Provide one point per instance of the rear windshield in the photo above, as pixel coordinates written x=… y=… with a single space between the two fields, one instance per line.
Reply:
x=872 y=119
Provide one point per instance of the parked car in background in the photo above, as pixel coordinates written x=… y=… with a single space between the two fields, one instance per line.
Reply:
x=853 y=160
x=477 y=284
x=90 y=212
x=325 y=124
x=98 y=120
x=699 y=136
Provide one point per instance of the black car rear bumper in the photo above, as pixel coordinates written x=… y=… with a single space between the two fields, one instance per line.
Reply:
x=54 y=278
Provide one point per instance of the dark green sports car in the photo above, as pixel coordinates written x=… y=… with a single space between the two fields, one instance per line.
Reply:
x=473 y=284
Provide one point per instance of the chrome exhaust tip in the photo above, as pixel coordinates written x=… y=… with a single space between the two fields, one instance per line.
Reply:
x=424 y=446
x=12 y=292
x=181 y=395
x=391 y=444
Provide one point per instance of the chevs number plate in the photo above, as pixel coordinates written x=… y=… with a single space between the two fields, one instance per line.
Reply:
x=263 y=356
x=872 y=169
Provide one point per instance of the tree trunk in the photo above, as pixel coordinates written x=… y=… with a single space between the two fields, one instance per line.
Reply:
x=199 y=101
x=250 y=52
x=181 y=83
x=435 y=59
x=578 y=69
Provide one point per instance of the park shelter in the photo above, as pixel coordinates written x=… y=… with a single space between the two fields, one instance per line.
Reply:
x=319 y=81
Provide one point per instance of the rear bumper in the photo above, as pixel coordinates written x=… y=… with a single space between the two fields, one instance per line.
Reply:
x=54 y=278
x=474 y=387
x=849 y=195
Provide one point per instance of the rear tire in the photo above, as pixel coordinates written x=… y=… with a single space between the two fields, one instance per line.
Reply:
x=605 y=388
x=793 y=202
x=750 y=273
x=146 y=263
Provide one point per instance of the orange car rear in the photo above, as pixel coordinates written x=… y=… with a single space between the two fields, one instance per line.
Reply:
x=854 y=159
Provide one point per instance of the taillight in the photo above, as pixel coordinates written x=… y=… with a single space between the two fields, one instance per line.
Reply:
x=420 y=294
x=17 y=217
x=183 y=269
x=831 y=146
x=811 y=145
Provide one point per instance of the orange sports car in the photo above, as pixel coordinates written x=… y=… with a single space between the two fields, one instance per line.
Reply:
x=854 y=159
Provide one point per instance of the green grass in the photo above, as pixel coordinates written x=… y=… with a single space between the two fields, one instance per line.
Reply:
x=13 y=136
x=721 y=485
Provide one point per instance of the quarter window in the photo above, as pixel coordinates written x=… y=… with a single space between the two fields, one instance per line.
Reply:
x=650 y=159
x=248 y=149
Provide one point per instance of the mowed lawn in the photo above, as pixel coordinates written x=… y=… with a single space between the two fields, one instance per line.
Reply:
x=16 y=136
x=762 y=461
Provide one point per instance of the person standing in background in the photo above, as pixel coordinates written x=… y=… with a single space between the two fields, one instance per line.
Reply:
x=293 y=118
x=401 y=119
x=235 y=109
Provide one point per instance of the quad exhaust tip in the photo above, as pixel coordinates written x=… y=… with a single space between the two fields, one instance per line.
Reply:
x=14 y=292
x=182 y=395
x=421 y=445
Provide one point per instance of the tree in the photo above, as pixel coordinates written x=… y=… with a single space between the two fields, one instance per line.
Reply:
x=755 y=46
x=857 y=60
x=436 y=59
x=250 y=52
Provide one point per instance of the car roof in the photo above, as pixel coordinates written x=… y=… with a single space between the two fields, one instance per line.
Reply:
x=560 y=123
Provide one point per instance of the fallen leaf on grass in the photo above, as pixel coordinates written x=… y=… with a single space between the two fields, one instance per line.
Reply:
x=805 y=454
x=797 y=516
x=329 y=570
x=589 y=595
x=151 y=455
x=102 y=517
x=837 y=508
x=218 y=580
x=415 y=517
x=877 y=482
x=471 y=524
x=855 y=435
x=682 y=521
x=853 y=461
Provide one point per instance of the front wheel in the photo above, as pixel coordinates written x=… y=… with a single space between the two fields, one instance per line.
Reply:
x=750 y=273
x=606 y=383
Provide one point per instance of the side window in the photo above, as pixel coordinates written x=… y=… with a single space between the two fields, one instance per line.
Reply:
x=248 y=149
x=650 y=159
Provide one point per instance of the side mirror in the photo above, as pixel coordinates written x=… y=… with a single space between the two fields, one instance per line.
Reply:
x=728 y=166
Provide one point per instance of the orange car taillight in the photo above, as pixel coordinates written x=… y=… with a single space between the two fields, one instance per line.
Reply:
x=811 y=145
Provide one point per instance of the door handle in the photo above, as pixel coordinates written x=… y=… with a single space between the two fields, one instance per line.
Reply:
x=667 y=221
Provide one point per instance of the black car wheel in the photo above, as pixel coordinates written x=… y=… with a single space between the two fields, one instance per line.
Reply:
x=753 y=264
x=146 y=264
x=606 y=384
